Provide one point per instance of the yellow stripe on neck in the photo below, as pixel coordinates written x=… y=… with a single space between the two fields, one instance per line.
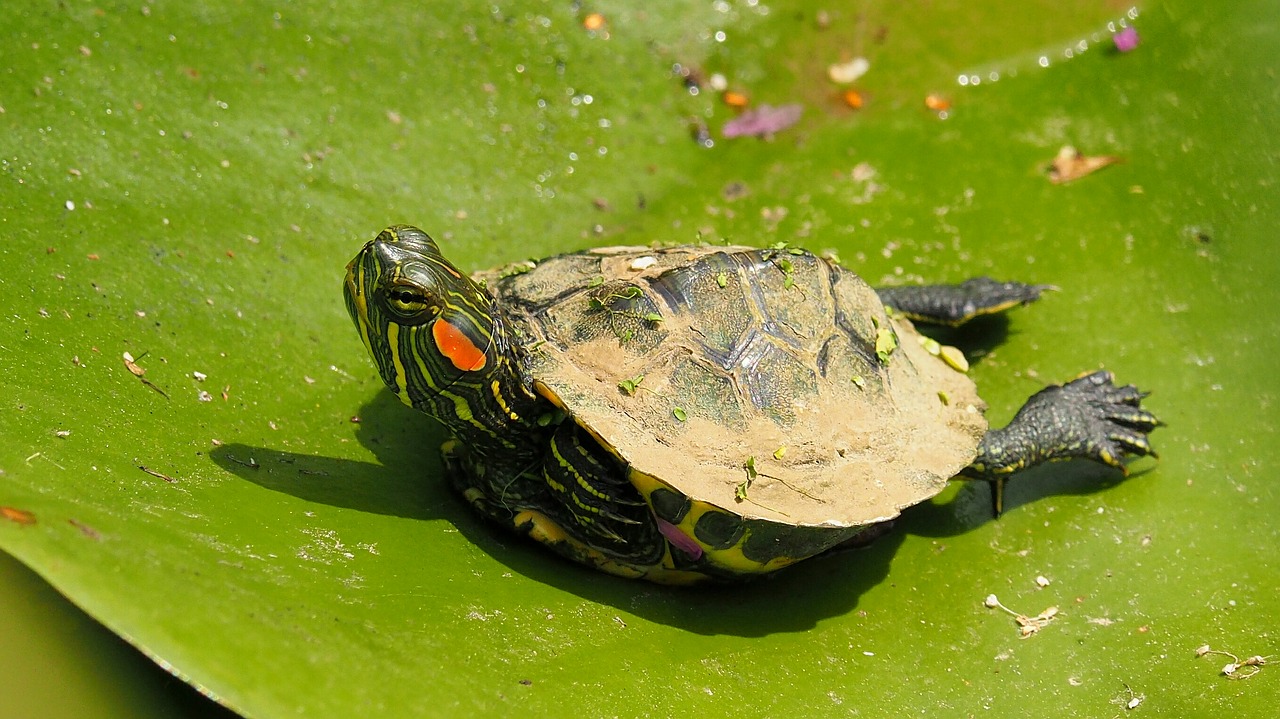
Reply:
x=402 y=379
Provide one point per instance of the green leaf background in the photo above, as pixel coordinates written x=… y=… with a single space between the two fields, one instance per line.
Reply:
x=184 y=182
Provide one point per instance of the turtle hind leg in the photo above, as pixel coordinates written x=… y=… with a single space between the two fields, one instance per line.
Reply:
x=953 y=305
x=1088 y=417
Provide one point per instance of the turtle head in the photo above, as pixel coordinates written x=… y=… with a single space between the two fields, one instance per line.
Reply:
x=426 y=324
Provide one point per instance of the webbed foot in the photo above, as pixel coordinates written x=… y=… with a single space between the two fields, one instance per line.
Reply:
x=953 y=305
x=1088 y=417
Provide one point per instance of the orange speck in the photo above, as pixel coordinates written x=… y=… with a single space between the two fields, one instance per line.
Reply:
x=454 y=344
x=93 y=255
x=21 y=516
x=853 y=99
x=593 y=22
x=735 y=99
x=937 y=103
x=231 y=254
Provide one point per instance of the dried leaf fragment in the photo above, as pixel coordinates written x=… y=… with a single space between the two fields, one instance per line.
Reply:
x=1027 y=626
x=156 y=474
x=886 y=343
x=131 y=364
x=1070 y=164
x=1233 y=669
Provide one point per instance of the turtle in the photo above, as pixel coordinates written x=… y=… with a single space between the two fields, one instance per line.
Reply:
x=698 y=413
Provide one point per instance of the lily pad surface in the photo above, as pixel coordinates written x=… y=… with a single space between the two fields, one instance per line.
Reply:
x=198 y=454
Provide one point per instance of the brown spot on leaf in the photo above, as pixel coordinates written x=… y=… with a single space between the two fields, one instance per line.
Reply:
x=20 y=516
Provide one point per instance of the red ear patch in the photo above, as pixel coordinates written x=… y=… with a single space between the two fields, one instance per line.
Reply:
x=454 y=344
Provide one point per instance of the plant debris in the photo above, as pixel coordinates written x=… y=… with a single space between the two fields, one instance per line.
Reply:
x=630 y=385
x=1126 y=40
x=1027 y=626
x=1131 y=701
x=131 y=364
x=593 y=22
x=740 y=492
x=1236 y=668
x=844 y=73
x=937 y=103
x=853 y=99
x=19 y=516
x=86 y=530
x=154 y=473
x=1070 y=164
x=886 y=343
x=736 y=100
x=763 y=120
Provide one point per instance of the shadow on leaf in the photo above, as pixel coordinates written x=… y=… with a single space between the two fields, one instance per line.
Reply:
x=406 y=482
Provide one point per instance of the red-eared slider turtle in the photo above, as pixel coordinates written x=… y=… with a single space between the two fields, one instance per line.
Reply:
x=699 y=412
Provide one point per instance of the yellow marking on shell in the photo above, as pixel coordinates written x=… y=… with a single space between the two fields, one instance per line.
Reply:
x=495 y=387
x=393 y=343
x=549 y=395
x=732 y=558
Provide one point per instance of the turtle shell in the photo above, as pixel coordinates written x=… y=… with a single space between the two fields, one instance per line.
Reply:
x=769 y=383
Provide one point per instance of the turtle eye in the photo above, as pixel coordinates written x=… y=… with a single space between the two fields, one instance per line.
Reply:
x=408 y=303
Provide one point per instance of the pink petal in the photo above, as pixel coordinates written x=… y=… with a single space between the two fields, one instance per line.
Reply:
x=1126 y=40
x=763 y=120
x=679 y=539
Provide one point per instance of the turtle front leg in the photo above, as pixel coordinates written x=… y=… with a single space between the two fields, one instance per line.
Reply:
x=953 y=305
x=1088 y=417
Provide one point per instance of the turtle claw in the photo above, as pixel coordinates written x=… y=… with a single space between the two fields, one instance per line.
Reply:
x=1109 y=422
x=1089 y=417
x=1132 y=442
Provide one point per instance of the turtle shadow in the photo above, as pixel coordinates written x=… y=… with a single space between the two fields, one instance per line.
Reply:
x=406 y=481
x=392 y=486
x=795 y=599
x=975 y=338
x=971 y=507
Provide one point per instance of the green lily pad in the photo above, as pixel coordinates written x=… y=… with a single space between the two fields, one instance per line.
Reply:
x=254 y=512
